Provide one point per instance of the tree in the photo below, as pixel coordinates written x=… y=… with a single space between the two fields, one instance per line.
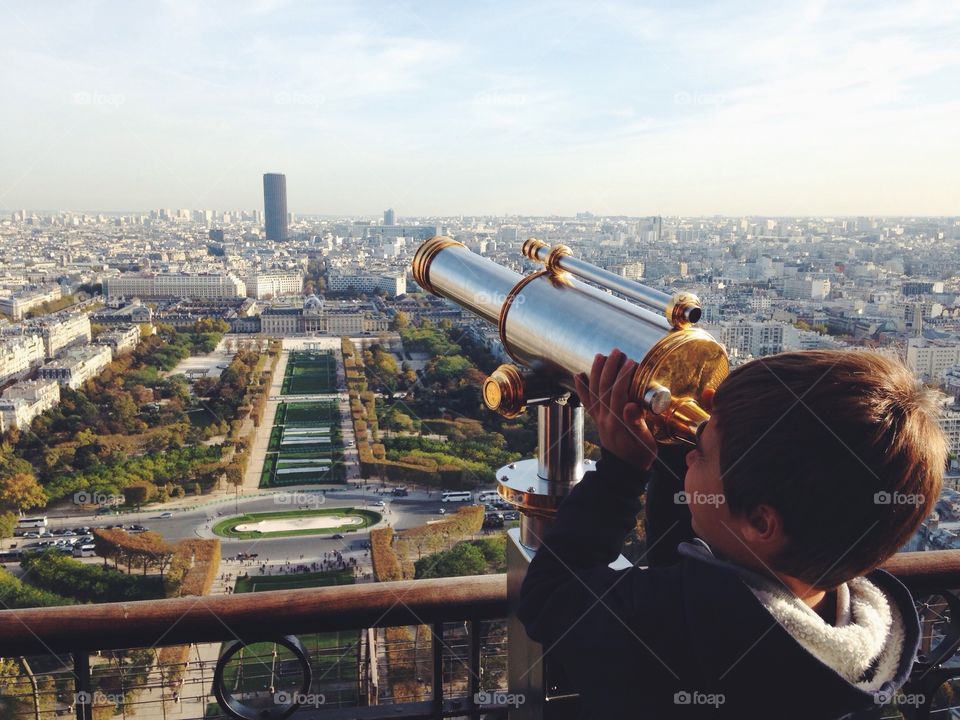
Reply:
x=462 y=559
x=234 y=473
x=20 y=492
x=138 y=493
x=8 y=521
x=401 y=321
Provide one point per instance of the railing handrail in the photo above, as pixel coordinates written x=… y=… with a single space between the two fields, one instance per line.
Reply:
x=262 y=616
x=250 y=616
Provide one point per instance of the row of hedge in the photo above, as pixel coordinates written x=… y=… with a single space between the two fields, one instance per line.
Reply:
x=193 y=568
x=386 y=564
x=256 y=397
x=410 y=468
x=192 y=572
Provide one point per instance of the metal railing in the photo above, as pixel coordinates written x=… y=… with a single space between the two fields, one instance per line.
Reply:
x=77 y=660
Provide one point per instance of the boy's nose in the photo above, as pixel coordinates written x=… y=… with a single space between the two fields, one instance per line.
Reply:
x=689 y=457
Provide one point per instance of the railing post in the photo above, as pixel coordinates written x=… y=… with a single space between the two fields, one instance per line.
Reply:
x=83 y=695
x=437 y=647
x=474 y=669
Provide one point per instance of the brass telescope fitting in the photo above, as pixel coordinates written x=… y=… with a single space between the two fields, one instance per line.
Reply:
x=509 y=389
x=424 y=256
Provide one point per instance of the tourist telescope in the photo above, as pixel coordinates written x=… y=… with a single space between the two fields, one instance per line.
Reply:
x=552 y=323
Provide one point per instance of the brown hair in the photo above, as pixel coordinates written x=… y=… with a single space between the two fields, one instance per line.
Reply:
x=844 y=445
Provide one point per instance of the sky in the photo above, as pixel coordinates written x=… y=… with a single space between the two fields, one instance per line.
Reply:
x=497 y=108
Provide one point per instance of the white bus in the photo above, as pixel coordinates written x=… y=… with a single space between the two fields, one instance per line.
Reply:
x=464 y=496
x=85 y=550
x=487 y=495
x=32 y=522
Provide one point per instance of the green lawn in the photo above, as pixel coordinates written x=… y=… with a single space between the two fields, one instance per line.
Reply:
x=262 y=583
x=310 y=372
x=294 y=417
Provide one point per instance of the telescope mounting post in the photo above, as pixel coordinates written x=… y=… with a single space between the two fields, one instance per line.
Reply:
x=537 y=487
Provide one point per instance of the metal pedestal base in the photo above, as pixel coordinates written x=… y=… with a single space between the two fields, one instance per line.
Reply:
x=526 y=672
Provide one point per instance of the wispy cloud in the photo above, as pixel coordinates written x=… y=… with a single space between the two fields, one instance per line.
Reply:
x=500 y=107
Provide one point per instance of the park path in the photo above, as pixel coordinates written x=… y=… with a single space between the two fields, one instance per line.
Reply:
x=261 y=435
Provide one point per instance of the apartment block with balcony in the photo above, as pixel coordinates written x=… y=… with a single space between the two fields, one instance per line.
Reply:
x=19 y=354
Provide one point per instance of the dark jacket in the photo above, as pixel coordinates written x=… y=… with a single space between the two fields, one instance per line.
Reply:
x=684 y=637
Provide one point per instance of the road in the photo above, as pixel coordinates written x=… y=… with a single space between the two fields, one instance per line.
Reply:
x=400 y=513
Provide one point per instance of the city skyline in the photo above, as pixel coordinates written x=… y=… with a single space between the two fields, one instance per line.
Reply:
x=534 y=109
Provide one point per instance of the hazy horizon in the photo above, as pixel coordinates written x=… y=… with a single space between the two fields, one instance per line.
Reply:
x=531 y=109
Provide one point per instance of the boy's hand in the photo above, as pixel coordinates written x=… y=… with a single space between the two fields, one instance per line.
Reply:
x=619 y=423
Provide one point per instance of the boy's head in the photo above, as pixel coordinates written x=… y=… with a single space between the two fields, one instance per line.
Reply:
x=825 y=463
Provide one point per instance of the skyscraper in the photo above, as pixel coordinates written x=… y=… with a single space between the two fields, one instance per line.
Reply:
x=389 y=218
x=275 y=205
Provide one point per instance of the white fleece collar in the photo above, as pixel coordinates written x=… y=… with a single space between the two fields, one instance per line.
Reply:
x=865 y=645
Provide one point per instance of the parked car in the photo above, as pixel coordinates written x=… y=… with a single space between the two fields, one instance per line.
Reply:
x=336 y=536
x=167 y=514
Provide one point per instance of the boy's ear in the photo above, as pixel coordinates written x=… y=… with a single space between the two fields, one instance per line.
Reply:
x=706 y=398
x=763 y=526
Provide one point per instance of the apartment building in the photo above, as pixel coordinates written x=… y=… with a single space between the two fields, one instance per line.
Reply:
x=19 y=354
x=22 y=402
x=929 y=360
x=392 y=285
x=120 y=340
x=175 y=285
x=22 y=301
x=77 y=365
x=268 y=285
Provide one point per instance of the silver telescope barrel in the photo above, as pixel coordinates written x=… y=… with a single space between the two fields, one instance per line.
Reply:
x=553 y=324
x=681 y=309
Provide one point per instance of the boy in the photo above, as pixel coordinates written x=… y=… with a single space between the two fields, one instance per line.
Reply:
x=813 y=469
